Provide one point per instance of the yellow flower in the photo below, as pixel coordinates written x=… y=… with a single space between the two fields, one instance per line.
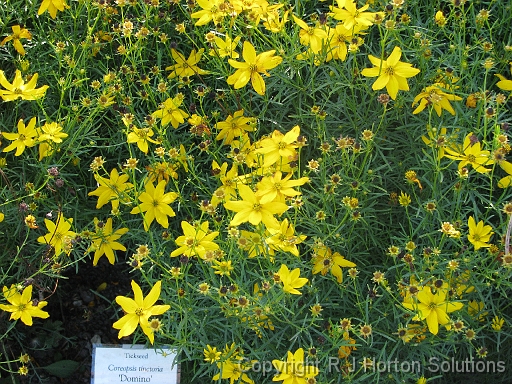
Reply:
x=252 y=67
x=52 y=6
x=24 y=138
x=275 y=188
x=58 y=233
x=228 y=179
x=324 y=261
x=504 y=84
x=210 y=11
x=279 y=148
x=211 y=355
x=283 y=238
x=392 y=73
x=19 y=90
x=155 y=202
x=479 y=234
x=310 y=36
x=226 y=47
x=291 y=280
x=437 y=97
x=22 y=306
x=169 y=112
x=104 y=241
x=138 y=310
x=141 y=136
x=404 y=199
x=433 y=308
x=470 y=154
x=196 y=240
x=17 y=34
x=185 y=67
x=272 y=21
x=476 y=310
x=293 y=370
x=252 y=210
x=113 y=189
x=497 y=323
x=351 y=16
x=233 y=127
x=234 y=371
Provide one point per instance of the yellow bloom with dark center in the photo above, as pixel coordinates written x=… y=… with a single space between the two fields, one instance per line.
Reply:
x=210 y=12
x=436 y=96
x=470 y=153
x=169 y=112
x=312 y=37
x=104 y=241
x=275 y=188
x=251 y=209
x=141 y=137
x=22 y=306
x=234 y=127
x=19 y=89
x=114 y=189
x=234 y=371
x=138 y=310
x=17 y=34
x=434 y=308
x=391 y=73
x=52 y=6
x=284 y=239
x=52 y=132
x=155 y=203
x=229 y=181
x=479 y=234
x=291 y=280
x=294 y=370
x=351 y=16
x=197 y=240
x=58 y=233
x=226 y=47
x=211 y=355
x=279 y=148
x=252 y=67
x=26 y=137
x=324 y=261
x=185 y=67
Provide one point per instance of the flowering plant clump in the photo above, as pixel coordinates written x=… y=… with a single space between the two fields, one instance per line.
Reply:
x=306 y=190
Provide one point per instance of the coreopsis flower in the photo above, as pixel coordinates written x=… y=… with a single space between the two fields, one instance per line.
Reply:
x=497 y=323
x=476 y=310
x=197 y=240
x=17 y=33
x=351 y=16
x=252 y=67
x=312 y=37
x=291 y=280
x=324 y=261
x=294 y=370
x=155 y=203
x=104 y=241
x=504 y=83
x=338 y=38
x=226 y=47
x=52 y=6
x=470 y=153
x=233 y=127
x=250 y=209
x=234 y=370
x=52 y=133
x=114 y=189
x=279 y=148
x=434 y=308
x=284 y=239
x=392 y=73
x=436 y=96
x=22 y=306
x=277 y=188
x=272 y=20
x=185 y=67
x=228 y=179
x=25 y=137
x=138 y=310
x=211 y=355
x=479 y=234
x=58 y=233
x=141 y=137
x=210 y=12
x=19 y=89
x=169 y=112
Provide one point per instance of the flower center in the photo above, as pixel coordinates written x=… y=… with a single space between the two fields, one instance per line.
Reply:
x=389 y=71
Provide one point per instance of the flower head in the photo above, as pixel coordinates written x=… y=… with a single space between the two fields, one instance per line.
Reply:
x=392 y=73
x=437 y=96
x=195 y=241
x=59 y=233
x=24 y=138
x=252 y=67
x=293 y=370
x=169 y=112
x=19 y=89
x=104 y=241
x=22 y=306
x=52 y=6
x=185 y=67
x=17 y=34
x=479 y=234
x=291 y=280
x=138 y=310
x=155 y=203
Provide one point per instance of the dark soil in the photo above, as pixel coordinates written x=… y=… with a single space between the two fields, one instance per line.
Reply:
x=81 y=313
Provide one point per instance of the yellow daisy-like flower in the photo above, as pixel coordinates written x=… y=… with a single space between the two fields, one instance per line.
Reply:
x=22 y=306
x=17 y=34
x=436 y=96
x=195 y=241
x=19 y=89
x=104 y=241
x=185 y=67
x=138 y=310
x=479 y=234
x=52 y=6
x=291 y=280
x=294 y=370
x=391 y=73
x=24 y=138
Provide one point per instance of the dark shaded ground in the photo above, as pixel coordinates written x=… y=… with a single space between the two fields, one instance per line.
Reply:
x=79 y=315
